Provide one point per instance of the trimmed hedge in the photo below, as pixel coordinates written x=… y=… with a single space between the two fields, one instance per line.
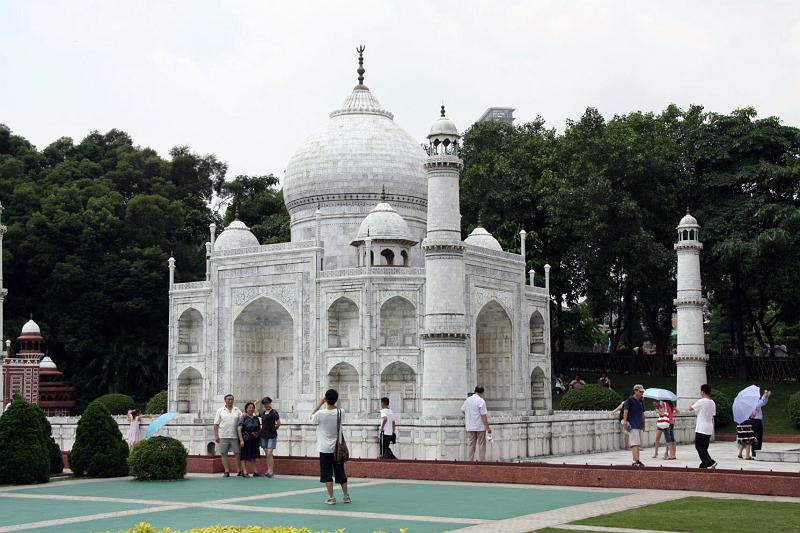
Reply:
x=590 y=398
x=25 y=456
x=54 y=452
x=158 y=458
x=157 y=404
x=116 y=404
x=724 y=414
x=99 y=450
x=794 y=409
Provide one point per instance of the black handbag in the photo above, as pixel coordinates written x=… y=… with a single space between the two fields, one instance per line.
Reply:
x=340 y=452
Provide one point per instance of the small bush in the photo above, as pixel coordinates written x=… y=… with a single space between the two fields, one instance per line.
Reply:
x=157 y=404
x=117 y=404
x=99 y=450
x=25 y=456
x=724 y=414
x=590 y=398
x=158 y=458
x=794 y=409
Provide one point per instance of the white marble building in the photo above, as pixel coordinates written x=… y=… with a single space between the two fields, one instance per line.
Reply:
x=344 y=304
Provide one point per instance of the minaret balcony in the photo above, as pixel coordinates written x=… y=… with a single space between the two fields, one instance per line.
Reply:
x=444 y=161
x=688 y=245
x=689 y=302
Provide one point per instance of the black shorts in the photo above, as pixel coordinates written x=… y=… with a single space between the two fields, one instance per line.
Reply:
x=330 y=470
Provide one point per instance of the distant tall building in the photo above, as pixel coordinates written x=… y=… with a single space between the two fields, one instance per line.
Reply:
x=498 y=114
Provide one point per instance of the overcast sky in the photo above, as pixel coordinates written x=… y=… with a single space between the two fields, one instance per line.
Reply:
x=248 y=81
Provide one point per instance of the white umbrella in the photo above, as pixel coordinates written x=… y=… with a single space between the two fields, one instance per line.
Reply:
x=662 y=395
x=745 y=403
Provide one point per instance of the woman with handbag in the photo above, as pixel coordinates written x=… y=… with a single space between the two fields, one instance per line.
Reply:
x=249 y=429
x=666 y=422
x=331 y=445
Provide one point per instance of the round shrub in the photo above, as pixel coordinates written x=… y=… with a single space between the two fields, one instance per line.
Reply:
x=724 y=405
x=158 y=458
x=794 y=409
x=99 y=450
x=25 y=456
x=54 y=452
x=157 y=404
x=590 y=398
x=117 y=404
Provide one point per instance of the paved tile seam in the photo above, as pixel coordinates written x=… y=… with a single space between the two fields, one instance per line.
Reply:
x=563 y=515
x=107 y=499
x=269 y=495
x=86 y=518
x=351 y=514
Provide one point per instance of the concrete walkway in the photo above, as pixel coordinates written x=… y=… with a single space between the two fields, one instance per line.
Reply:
x=722 y=452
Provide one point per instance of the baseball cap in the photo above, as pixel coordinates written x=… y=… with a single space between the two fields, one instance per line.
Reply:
x=637 y=387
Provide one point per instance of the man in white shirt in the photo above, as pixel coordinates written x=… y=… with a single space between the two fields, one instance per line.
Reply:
x=706 y=409
x=387 y=430
x=226 y=421
x=476 y=423
x=329 y=420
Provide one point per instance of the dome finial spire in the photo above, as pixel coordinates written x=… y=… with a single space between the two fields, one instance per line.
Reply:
x=687 y=210
x=383 y=193
x=442 y=109
x=360 y=49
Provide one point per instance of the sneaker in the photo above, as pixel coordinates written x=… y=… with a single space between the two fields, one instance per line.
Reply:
x=713 y=465
x=226 y=474
x=346 y=498
x=330 y=501
x=270 y=474
x=638 y=463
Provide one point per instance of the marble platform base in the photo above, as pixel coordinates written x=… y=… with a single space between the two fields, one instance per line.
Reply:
x=514 y=437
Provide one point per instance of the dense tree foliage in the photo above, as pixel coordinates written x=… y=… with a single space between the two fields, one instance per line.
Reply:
x=90 y=228
x=601 y=202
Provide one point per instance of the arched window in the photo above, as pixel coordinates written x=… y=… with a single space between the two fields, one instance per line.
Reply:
x=371 y=258
x=685 y=235
x=536 y=324
x=344 y=378
x=190 y=391
x=343 y=328
x=398 y=323
x=190 y=332
x=388 y=257
x=493 y=355
x=399 y=384
x=404 y=255
x=538 y=384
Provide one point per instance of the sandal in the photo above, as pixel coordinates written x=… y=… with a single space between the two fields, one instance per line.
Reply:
x=740 y=457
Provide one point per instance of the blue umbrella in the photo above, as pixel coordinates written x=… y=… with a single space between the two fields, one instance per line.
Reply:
x=663 y=395
x=159 y=423
x=745 y=403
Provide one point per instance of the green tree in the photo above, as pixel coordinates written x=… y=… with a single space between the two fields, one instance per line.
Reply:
x=260 y=205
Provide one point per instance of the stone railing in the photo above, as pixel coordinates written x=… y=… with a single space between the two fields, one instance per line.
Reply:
x=516 y=438
x=494 y=253
x=373 y=271
x=266 y=248
x=191 y=286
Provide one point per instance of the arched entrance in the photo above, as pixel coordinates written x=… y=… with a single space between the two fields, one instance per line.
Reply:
x=537 y=333
x=538 y=389
x=493 y=355
x=263 y=350
x=398 y=323
x=343 y=328
x=190 y=332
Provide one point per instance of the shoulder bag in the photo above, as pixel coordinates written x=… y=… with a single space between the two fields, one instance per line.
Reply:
x=340 y=452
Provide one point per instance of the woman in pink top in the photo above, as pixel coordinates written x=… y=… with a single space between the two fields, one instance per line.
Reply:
x=132 y=437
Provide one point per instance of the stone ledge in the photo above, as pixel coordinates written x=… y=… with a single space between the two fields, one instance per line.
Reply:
x=625 y=477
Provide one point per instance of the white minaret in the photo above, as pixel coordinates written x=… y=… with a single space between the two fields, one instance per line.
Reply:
x=691 y=357
x=3 y=293
x=444 y=376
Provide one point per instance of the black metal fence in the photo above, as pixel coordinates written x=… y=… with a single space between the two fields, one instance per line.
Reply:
x=627 y=362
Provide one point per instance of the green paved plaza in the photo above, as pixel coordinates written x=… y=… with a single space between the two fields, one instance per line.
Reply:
x=387 y=505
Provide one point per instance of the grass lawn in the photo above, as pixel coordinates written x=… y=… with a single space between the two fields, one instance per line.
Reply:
x=776 y=416
x=706 y=514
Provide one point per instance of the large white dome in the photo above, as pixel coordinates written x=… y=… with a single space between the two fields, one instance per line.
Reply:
x=357 y=153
